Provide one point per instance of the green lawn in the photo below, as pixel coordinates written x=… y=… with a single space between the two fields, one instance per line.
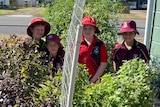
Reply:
x=134 y=14
x=5 y=12
x=8 y=11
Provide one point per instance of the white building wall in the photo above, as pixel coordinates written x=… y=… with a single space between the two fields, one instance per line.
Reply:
x=28 y=3
x=5 y=2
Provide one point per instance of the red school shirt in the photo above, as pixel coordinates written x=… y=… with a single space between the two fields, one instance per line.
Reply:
x=92 y=54
x=121 y=53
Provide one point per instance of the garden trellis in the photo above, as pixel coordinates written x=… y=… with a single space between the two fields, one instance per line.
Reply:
x=71 y=55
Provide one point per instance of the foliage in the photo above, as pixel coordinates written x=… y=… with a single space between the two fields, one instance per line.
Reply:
x=130 y=87
x=135 y=77
x=125 y=9
x=59 y=16
x=156 y=85
x=50 y=91
x=24 y=81
x=81 y=83
x=21 y=72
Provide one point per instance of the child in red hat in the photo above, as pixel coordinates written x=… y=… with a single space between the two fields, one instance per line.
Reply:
x=55 y=54
x=37 y=29
x=93 y=51
x=130 y=48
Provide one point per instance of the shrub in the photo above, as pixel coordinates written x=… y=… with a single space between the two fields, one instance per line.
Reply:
x=26 y=82
x=49 y=92
x=130 y=87
x=135 y=78
x=125 y=9
x=21 y=72
x=59 y=16
x=81 y=83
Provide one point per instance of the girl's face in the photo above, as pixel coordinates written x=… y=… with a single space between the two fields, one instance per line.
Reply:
x=52 y=47
x=38 y=31
x=129 y=36
x=88 y=31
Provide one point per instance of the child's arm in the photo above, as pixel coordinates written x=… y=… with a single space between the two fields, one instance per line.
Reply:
x=114 y=66
x=99 y=72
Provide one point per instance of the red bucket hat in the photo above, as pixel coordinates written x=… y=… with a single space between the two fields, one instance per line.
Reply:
x=88 y=20
x=53 y=37
x=128 y=26
x=38 y=21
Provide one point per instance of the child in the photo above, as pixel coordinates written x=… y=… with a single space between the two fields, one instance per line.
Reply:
x=37 y=29
x=55 y=54
x=93 y=52
x=130 y=48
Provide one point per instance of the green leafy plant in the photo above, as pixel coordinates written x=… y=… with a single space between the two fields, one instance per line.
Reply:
x=21 y=72
x=59 y=16
x=81 y=83
x=135 y=78
x=125 y=9
x=50 y=91
x=130 y=87
x=24 y=81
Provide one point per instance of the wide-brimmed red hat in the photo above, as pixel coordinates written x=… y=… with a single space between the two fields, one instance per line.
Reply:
x=53 y=37
x=88 y=20
x=38 y=21
x=128 y=26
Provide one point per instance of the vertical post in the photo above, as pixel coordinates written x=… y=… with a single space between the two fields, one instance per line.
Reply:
x=74 y=65
x=149 y=22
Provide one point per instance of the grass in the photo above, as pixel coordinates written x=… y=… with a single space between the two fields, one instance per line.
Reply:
x=8 y=11
x=134 y=14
